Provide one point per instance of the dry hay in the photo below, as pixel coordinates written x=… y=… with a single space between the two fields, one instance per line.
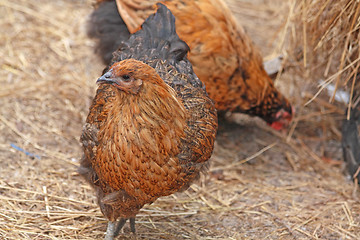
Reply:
x=291 y=187
x=325 y=41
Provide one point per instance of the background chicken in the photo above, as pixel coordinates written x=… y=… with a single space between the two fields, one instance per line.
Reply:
x=151 y=126
x=351 y=134
x=351 y=143
x=222 y=54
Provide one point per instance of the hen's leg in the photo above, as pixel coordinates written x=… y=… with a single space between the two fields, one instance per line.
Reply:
x=132 y=225
x=113 y=229
x=110 y=231
x=119 y=226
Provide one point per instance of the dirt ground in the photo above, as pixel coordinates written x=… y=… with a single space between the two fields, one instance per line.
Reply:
x=261 y=184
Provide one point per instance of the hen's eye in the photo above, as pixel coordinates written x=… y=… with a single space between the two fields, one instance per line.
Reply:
x=126 y=77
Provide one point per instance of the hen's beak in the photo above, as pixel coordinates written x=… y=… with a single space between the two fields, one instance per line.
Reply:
x=106 y=78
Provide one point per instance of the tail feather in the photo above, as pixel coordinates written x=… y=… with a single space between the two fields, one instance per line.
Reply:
x=157 y=37
x=161 y=25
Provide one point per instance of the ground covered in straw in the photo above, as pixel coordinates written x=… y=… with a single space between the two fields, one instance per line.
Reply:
x=261 y=184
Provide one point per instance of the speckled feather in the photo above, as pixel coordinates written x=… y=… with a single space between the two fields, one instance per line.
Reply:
x=141 y=146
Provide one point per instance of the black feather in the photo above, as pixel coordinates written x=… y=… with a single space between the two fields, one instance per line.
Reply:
x=106 y=25
x=162 y=26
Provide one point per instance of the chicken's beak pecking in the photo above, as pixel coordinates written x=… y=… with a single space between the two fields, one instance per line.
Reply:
x=106 y=78
x=282 y=119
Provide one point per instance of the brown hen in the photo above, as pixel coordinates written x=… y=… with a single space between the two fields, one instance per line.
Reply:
x=151 y=126
x=222 y=54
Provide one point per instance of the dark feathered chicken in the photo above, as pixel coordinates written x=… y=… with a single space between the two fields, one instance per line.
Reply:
x=151 y=126
x=222 y=54
x=351 y=142
x=351 y=135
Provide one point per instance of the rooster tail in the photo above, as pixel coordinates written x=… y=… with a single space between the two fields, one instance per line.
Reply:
x=160 y=29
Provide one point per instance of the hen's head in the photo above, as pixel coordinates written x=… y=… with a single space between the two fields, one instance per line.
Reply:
x=279 y=115
x=135 y=79
x=130 y=76
x=275 y=109
x=281 y=119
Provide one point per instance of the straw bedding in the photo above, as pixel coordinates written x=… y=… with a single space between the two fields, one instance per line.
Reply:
x=261 y=184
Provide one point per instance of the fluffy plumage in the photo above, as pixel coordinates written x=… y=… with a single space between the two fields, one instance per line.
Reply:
x=151 y=126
